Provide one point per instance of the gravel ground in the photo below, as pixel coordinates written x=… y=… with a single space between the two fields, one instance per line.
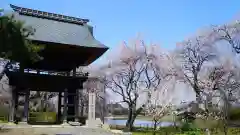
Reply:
x=52 y=131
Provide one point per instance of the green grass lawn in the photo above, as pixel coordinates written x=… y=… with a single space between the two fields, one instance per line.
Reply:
x=202 y=124
x=173 y=131
x=230 y=132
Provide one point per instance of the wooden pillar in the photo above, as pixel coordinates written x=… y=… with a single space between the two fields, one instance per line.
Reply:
x=26 y=105
x=21 y=69
x=16 y=104
x=74 y=72
x=71 y=104
x=16 y=100
x=76 y=100
x=65 y=106
x=59 y=106
x=66 y=102
x=12 y=106
x=77 y=106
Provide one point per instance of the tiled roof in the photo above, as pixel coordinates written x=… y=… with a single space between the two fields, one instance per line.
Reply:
x=58 y=31
x=50 y=16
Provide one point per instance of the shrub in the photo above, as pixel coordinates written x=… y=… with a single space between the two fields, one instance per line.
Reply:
x=122 y=111
x=187 y=126
x=82 y=119
x=197 y=132
x=187 y=116
x=234 y=114
x=117 y=127
x=234 y=131
x=190 y=128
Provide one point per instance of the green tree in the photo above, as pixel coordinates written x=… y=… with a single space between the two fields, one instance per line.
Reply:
x=14 y=46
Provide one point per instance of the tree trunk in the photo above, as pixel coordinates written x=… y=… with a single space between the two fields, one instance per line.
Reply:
x=154 y=127
x=226 y=107
x=4 y=70
x=82 y=110
x=174 y=121
x=135 y=114
x=198 y=97
x=103 y=110
x=226 y=115
x=102 y=114
x=130 y=114
x=198 y=100
x=225 y=130
x=131 y=124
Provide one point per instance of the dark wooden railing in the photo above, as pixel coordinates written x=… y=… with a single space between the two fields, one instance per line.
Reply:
x=54 y=73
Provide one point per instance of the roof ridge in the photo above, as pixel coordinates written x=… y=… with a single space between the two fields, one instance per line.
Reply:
x=48 y=15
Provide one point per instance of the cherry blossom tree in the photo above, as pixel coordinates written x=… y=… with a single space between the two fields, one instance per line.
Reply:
x=223 y=83
x=137 y=71
x=189 y=60
x=161 y=102
x=228 y=32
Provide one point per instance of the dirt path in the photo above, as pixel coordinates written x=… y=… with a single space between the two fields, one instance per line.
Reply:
x=54 y=131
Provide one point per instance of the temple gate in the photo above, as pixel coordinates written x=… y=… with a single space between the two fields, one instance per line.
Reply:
x=69 y=43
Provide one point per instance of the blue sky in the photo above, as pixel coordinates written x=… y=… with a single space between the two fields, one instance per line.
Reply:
x=158 y=21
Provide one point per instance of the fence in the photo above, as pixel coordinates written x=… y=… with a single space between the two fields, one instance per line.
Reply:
x=3 y=119
x=50 y=117
x=36 y=117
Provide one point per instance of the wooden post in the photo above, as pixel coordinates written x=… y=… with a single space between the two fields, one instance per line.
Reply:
x=77 y=106
x=76 y=101
x=65 y=106
x=26 y=106
x=74 y=72
x=21 y=69
x=12 y=107
x=16 y=104
x=71 y=104
x=59 y=106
